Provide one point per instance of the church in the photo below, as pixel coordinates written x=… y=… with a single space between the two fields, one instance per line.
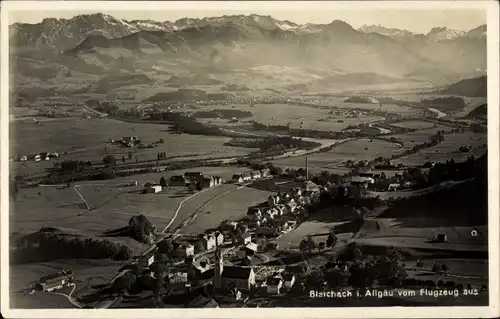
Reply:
x=230 y=277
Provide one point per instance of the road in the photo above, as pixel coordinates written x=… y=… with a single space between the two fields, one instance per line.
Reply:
x=69 y=297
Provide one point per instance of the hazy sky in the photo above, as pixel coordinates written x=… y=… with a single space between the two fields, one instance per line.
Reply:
x=416 y=19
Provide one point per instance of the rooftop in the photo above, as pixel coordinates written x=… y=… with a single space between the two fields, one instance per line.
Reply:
x=236 y=272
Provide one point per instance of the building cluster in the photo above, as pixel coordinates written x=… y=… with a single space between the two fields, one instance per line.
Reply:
x=198 y=179
x=377 y=182
x=43 y=156
x=55 y=281
x=224 y=258
x=253 y=175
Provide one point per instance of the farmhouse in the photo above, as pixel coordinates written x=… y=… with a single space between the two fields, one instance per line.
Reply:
x=266 y=172
x=208 y=241
x=207 y=182
x=238 y=178
x=232 y=277
x=178 y=180
x=218 y=180
x=55 y=281
x=256 y=174
x=194 y=176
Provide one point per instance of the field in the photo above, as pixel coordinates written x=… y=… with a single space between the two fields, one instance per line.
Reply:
x=339 y=102
x=230 y=205
x=416 y=125
x=356 y=150
x=298 y=116
x=21 y=276
x=85 y=139
x=448 y=149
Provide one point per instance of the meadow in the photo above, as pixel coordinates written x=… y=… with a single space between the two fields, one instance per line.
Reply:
x=448 y=149
x=416 y=125
x=333 y=160
x=230 y=205
x=298 y=116
x=86 y=139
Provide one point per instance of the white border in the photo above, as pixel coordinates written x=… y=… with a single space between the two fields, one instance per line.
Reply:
x=377 y=312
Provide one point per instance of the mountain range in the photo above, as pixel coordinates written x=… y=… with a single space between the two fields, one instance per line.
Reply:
x=101 y=43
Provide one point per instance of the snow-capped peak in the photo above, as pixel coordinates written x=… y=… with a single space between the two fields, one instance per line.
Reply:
x=443 y=33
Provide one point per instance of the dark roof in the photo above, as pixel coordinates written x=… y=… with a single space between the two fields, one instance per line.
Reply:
x=273 y=281
x=236 y=272
x=193 y=174
x=202 y=301
x=287 y=276
x=296 y=269
x=179 y=177
x=208 y=274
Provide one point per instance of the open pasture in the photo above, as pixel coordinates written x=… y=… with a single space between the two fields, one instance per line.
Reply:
x=231 y=204
x=85 y=139
x=448 y=149
x=459 y=238
x=338 y=101
x=318 y=230
x=355 y=150
x=417 y=137
x=298 y=116
x=416 y=125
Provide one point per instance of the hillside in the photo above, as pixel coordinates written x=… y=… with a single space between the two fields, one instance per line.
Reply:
x=475 y=87
x=480 y=112
x=51 y=243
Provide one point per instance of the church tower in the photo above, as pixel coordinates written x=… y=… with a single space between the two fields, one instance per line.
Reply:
x=219 y=267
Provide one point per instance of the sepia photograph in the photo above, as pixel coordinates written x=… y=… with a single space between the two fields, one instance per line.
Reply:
x=327 y=157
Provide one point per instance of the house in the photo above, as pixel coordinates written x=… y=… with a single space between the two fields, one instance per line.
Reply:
x=245 y=238
x=153 y=189
x=238 y=178
x=178 y=278
x=24 y=158
x=281 y=225
x=217 y=180
x=184 y=249
x=38 y=158
x=273 y=200
x=237 y=277
x=246 y=176
x=219 y=238
x=361 y=180
x=194 y=176
x=393 y=187
x=265 y=172
x=274 y=285
x=207 y=182
x=55 y=281
x=296 y=270
x=288 y=280
x=256 y=174
x=178 y=180
x=441 y=238
x=208 y=241
x=251 y=247
x=310 y=187
x=254 y=211
x=291 y=206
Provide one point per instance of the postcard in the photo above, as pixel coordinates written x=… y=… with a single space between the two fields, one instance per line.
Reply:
x=256 y=159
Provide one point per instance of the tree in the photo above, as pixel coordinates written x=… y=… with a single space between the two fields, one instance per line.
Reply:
x=129 y=155
x=123 y=283
x=321 y=245
x=163 y=182
x=336 y=278
x=123 y=159
x=109 y=161
x=331 y=240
